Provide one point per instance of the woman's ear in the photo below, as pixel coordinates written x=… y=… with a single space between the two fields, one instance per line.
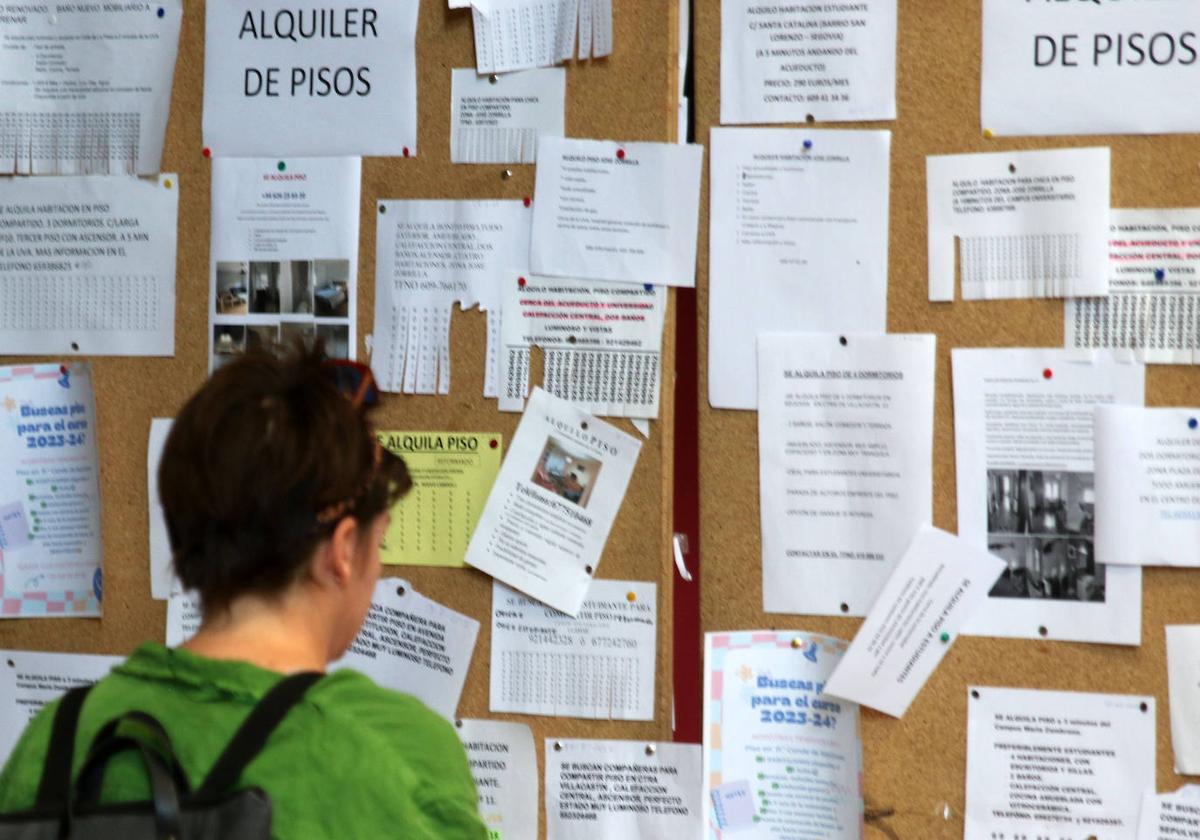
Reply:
x=334 y=562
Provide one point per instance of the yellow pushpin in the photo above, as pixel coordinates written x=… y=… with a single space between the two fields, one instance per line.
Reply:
x=987 y=134
x=631 y=596
x=797 y=643
x=168 y=183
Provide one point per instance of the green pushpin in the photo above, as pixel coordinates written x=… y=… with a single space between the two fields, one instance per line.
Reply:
x=945 y=638
x=759 y=759
x=29 y=481
x=282 y=166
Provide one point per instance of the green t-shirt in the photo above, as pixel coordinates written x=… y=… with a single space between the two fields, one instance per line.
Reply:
x=350 y=760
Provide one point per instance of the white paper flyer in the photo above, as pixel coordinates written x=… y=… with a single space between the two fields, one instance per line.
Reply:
x=845 y=453
x=497 y=119
x=550 y=511
x=321 y=81
x=87 y=265
x=600 y=664
x=1029 y=224
x=1090 y=68
x=831 y=62
x=1057 y=763
x=781 y=757
x=1023 y=429
x=87 y=86
x=50 y=548
x=1148 y=485
x=430 y=255
x=504 y=766
x=936 y=587
x=633 y=790
x=284 y=255
x=797 y=242
x=1153 y=302
x=624 y=212
x=601 y=343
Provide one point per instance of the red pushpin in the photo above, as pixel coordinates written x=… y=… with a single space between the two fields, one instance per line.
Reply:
x=494 y=443
x=521 y=282
x=405 y=152
x=620 y=154
x=1047 y=374
x=528 y=201
x=62 y=369
x=207 y=152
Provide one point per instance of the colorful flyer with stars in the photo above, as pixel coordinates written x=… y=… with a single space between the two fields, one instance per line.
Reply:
x=50 y=551
x=452 y=473
x=782 y=759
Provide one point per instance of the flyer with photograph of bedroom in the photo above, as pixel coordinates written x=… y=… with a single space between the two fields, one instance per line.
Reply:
x=547 y=519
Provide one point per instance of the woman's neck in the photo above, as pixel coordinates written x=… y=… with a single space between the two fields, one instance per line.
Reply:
x=275 y=635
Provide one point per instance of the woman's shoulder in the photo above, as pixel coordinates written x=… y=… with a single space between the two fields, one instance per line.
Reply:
x=350 y=693
x=357 y=703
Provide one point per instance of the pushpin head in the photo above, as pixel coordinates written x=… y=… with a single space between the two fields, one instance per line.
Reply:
x=1160 y=274
x=631 y=596
x=945 y=638
x=281 y=166
x=649 y=287
x=620 y=154
x=404 y=151
x=1193 y=424
x=808 y=144
x=797 y=644
x=162 y=12
x=168 y=183
x=527 y=201
x=1047 y=374
x=207 y=152
x=493 y=443
x=521 y=282
x=987 y=134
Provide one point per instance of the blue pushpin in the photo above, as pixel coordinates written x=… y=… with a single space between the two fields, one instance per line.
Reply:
x=1160 y=274
x=808 y=144
x=162 y=12
x=649 y=287
x=1193 y=423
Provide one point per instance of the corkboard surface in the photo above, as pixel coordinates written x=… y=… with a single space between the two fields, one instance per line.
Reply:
x=628 y=96
x=917 y=765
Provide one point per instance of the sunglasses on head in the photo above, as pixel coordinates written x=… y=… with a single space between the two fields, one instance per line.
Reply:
x=354 y=380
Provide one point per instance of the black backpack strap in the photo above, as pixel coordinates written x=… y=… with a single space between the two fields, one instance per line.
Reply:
x=252 y=735
x=131 y=731
x=54 y=790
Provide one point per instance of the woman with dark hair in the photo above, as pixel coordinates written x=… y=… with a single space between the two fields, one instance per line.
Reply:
x=276 y=496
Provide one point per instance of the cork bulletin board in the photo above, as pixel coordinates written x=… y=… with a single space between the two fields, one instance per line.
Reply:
x=915 y=768
x=628 y=96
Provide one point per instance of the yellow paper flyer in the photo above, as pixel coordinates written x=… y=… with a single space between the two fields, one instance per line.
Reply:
x=452 y=474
